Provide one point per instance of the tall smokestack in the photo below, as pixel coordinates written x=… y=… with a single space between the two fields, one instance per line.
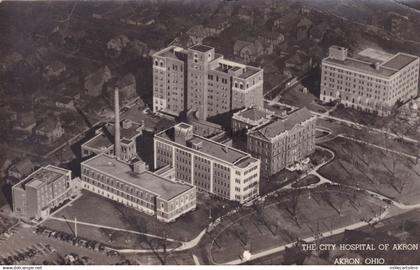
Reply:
x=117 y=143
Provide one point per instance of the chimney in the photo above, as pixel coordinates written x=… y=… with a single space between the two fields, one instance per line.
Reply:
x=117 y=143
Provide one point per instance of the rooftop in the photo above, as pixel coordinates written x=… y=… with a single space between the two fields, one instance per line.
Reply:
x=171 y=52
x=399 y=61
x=388 y=64
x=249 y=71
x=201 y=48
x=280 y=126
x=253 y=114
x=105 y=139
x=206 y=146
x=44 y=175
x=149 y=181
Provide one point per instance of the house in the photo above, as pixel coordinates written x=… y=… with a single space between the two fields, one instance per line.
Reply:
x=184 y=40
x=198 y=32
x=21 y=169
x=126 y=86
x=248 y=51
x=65 y=103
x=317 y=32
x=271 y=38
x=54 y=70
x=94 y=82
x=246 y=15
x=25 y=122
x=286 y=22
x=117 y=44
x=302 y=29
x=50 y=130
x=298 y=64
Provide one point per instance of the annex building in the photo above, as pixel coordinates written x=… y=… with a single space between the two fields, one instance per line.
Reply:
x=372 y=83
x=134 y=186
x=42 y=190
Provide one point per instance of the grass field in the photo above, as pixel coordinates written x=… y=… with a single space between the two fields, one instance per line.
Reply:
x=389 y=174
x=95 y=209
x=299 y=214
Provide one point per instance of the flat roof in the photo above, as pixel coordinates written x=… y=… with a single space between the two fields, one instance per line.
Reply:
x=209 y=147
x=399 y=61
x=253 y=114
x=44 y=175
x=171 y=52
x=146 y=180
x=201 y=48
x=249 y=71
x=362 y=66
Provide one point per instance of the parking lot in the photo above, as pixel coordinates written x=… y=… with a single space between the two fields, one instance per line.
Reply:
x=24 y=246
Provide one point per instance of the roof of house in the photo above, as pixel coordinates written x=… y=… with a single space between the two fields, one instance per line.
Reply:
x=280 y=126
x=98 y=77
x=48 y=124
x=162 y=187
x=23 y=166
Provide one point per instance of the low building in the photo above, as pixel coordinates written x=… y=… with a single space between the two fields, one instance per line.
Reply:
x=103 y=141
x=283 y=142
x=50 y=130
x=25 y=122
x=134 y=187
x=21 y=168
x=54 y=70
x=64 y=102
x=249 y=118
x=210 y=166
x=41 y=191
x=248 y=51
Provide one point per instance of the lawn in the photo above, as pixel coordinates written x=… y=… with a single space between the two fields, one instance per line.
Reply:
x=95 y=209
x=291 y=216
x=368 y=167
x=297 y=98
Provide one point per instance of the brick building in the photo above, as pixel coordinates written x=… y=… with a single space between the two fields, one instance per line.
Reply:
x=135 y=187
x=283 y=142
x=210 y=166
x=200 y=80
x=368 y=84
x=42 y=190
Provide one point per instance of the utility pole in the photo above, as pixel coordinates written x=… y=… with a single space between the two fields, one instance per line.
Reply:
x=75 y=226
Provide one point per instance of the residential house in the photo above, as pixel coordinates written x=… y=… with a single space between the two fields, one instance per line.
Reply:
x=21 y=168
x=198 y=33
x=50 y=130
x=25 y=122
x=55 y=69
x=117 y=44
x=248 y=51
x=94 y=82
x=298 y=64
x=302 y=29
x=317 y=32
x=65 y=103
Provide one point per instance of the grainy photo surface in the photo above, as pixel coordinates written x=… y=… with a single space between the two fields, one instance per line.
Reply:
x=210 y=132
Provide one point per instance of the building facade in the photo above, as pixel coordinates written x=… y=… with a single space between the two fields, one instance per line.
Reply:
x=283 y=142
x=210 y=166
x=42 y=190
x=103 y=141
x=372 y=85
x=135 y=187
x=200 y=80
x=249 y=118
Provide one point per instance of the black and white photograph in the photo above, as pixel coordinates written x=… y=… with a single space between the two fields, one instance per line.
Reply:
x=174 y=133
